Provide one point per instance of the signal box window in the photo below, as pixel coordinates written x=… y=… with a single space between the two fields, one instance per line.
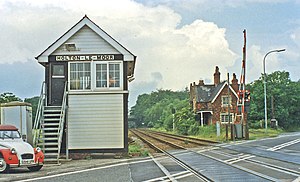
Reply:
x=80 y=76
x=108 y=75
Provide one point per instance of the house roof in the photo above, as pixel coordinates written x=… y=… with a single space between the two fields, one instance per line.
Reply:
x=209 y=93
x=85 y=21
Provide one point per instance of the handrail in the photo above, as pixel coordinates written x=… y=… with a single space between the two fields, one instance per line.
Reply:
x=38 y=115
x=62 y=118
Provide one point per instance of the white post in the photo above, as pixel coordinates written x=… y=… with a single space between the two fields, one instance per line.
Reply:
x=201 y=113
x=173 y=122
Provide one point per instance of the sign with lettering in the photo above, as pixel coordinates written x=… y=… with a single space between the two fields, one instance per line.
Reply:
x=97 y=57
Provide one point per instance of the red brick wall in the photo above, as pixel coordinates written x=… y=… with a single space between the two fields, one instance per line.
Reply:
x=217 y=105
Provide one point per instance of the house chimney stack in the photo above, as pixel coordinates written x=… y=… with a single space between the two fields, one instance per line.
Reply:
x=201 y=83
x=235 y=84
x=217 y=76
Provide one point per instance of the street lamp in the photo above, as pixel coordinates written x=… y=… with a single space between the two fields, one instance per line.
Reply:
x=265 y=83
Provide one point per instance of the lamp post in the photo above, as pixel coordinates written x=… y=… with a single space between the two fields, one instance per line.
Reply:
x=265 y=83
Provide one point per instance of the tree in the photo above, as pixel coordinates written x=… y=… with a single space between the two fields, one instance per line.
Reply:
x=154 y=109
x=285 y=96
x=34 y=101
x=8 y=97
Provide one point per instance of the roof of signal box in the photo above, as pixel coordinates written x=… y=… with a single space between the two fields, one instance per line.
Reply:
x=85 y=21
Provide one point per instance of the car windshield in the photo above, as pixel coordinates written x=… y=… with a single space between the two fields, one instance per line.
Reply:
x=9 y=134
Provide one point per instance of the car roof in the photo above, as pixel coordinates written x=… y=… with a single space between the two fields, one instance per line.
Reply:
x=8 y=128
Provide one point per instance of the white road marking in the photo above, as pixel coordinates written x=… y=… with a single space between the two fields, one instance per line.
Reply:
x=173 y=176
x=297 y=179
x=85 y=170
x=239 y=158
x=179 y=175
x=163 y=169
x=278 y=147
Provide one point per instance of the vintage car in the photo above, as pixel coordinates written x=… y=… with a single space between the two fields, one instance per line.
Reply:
x=14 y=152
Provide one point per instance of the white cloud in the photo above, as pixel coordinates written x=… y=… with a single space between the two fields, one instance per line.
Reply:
x=178 y=55
x=295 y=36
x=273 y=62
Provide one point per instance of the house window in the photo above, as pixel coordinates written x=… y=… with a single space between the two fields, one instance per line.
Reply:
x=108 y=75
x=101 y=75
x=226 y=100
x=114 y=75
x=80 y=76
x=58 y=71
x=224 y=117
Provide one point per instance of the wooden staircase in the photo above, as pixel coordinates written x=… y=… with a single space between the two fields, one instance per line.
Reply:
x=50 y=132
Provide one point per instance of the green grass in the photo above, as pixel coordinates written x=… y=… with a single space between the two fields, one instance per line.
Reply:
x=261 y=133
x=135 y=149
x=209 y=133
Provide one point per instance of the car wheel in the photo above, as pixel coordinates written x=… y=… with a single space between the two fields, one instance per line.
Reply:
x=4 y=167
x=35 y=168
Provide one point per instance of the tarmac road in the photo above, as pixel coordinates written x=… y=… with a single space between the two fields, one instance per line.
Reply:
x=107 y=168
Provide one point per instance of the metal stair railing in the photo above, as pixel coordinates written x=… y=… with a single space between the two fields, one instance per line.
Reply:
x=37 y=127
x=62 y=119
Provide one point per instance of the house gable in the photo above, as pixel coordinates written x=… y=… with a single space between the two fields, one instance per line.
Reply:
x=221 y=89
x=83 y=24
x=87 y=42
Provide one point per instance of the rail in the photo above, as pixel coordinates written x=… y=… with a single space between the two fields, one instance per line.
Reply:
x=178 y=161
x=62 y=117
x=39 y=114
x=199 y=162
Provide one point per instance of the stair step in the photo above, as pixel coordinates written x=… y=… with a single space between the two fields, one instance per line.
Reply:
x=52 y=115
x=50 y=138
x=52 y=111
x=51 y=159
x=51 y=119
x=49 y=143
x=50 y=149
x=52 y=154
x=52 y=107
x=50 y=124
x=47 y=134
x=50 y=129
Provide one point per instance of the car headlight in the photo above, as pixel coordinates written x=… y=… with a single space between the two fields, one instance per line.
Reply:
x=38 y=149
x=13 y=151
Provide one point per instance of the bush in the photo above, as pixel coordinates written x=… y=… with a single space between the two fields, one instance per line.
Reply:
x=255 y=124
x=208 y=131
x=194 y=129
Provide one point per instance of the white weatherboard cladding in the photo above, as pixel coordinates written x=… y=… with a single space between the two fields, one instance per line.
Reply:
x=87 y=42
x=96 y=121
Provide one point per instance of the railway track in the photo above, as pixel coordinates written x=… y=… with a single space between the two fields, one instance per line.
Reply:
x=163 y=141
x=160 y=145
x=185 y=152
x=196 y=141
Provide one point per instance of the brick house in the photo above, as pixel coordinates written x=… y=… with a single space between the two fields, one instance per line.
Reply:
x=211 y=102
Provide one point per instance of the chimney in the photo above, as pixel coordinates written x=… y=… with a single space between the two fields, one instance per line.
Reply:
x=234 y=83
x=201 y=83
x=217 y=76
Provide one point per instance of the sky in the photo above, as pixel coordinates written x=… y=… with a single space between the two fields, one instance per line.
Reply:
x=176 y=42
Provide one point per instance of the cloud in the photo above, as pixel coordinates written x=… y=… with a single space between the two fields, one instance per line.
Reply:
x=29 y=30
x=169 y=56
x=273 y=62
x=295 y=36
